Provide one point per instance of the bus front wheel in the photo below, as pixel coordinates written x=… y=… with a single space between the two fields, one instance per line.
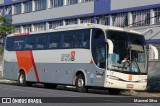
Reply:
x=80 y=84
x=22 y=79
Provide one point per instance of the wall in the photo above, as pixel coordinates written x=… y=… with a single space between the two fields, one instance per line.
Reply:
x=65 y=11
x=154 y=34
x=121 y=4
x=101 y=6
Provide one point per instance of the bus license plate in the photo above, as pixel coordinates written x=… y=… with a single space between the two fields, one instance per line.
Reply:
x=130 y=85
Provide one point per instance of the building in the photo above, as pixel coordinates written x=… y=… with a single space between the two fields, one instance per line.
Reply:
x=40 y=15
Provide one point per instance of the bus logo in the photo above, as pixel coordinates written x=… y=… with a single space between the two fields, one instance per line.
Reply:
x=68 y=57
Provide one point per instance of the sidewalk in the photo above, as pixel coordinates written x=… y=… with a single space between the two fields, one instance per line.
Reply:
x=2 y=80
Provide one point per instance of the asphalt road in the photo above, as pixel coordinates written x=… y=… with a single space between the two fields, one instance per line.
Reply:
x=13 y=90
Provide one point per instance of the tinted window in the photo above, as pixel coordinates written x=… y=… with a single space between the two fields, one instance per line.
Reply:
x=79 y=39
x=19 y=43
x=69 y=39
x=54 y=40
x=41 y=42
x=82 y=39
x=86 y=40
x=10 y=44
x=30 y=42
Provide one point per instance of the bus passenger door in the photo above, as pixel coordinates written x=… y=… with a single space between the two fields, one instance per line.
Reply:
x=98 y=48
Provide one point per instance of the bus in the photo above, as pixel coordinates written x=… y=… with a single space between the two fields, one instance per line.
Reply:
x=85 y=56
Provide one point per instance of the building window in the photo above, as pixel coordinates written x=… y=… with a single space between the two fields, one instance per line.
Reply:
x=120 y=19
x=17 y=9
x=86 y=20
x=103 y=20
x=56 y=3
x=8 y=10
x=18 y=29
x=40 y=27
x=71 y=2
x=71 y=21
x=55 y=24
x=1 y=11
x=157 y=15
x=27 y=28
x=87 y=0
x=27 y=6
x=141 y=18
x=40 y=5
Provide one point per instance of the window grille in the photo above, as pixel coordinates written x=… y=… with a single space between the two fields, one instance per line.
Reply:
x=120 y=19
x=141 y=18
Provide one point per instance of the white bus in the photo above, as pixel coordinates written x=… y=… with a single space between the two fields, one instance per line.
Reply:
x=85 y=55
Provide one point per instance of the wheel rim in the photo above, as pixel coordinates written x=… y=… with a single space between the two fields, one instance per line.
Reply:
x=21 y=79
x=80 y=82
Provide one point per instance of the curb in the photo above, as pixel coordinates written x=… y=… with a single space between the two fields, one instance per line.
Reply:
x=6 y=81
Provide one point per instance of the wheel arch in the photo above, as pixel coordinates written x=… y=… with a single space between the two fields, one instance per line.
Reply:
x=22 y=70
x=78 y=72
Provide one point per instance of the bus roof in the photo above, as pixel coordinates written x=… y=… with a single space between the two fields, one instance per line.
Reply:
x=80 y=26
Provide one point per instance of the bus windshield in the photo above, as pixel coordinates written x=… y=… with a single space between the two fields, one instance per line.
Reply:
x=129 y=52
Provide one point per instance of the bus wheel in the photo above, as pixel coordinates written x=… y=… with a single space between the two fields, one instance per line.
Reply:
x=50 y=86
x=22 y=79
x=114 y=91
x=80 y=84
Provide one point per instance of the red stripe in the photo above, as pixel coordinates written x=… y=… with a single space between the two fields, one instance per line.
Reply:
x=34 y=66
x=21 y=34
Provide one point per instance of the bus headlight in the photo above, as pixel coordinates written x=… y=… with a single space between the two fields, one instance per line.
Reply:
x=113 y=77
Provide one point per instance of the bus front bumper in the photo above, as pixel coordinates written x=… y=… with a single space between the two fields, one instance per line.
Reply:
x=111 y=83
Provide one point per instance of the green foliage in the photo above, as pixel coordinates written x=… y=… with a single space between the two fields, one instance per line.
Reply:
x=1 y=51
x=6 y=26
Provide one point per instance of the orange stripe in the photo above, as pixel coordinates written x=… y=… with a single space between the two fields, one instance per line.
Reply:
x=26 y=62
x=21 y=34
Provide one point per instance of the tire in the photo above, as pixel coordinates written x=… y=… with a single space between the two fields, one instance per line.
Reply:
x=114 y=91
x=50 y=86
x=80 y=84
x=22 y=79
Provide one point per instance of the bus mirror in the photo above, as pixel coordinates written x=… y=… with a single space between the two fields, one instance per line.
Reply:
x=110 y=46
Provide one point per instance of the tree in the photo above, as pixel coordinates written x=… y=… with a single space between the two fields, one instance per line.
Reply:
x=5 y=27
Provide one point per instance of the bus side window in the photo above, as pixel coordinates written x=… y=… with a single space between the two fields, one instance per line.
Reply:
x=10 y=43
x=86 y=39
x=69 y=40
x=19 y=43
x=79 y=38
x=41 y=42
x=54 y=40
x=30 y=42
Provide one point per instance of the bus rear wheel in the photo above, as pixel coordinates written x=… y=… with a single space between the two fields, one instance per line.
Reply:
x=22 y=79
x=113 y=91
x=80 y=84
